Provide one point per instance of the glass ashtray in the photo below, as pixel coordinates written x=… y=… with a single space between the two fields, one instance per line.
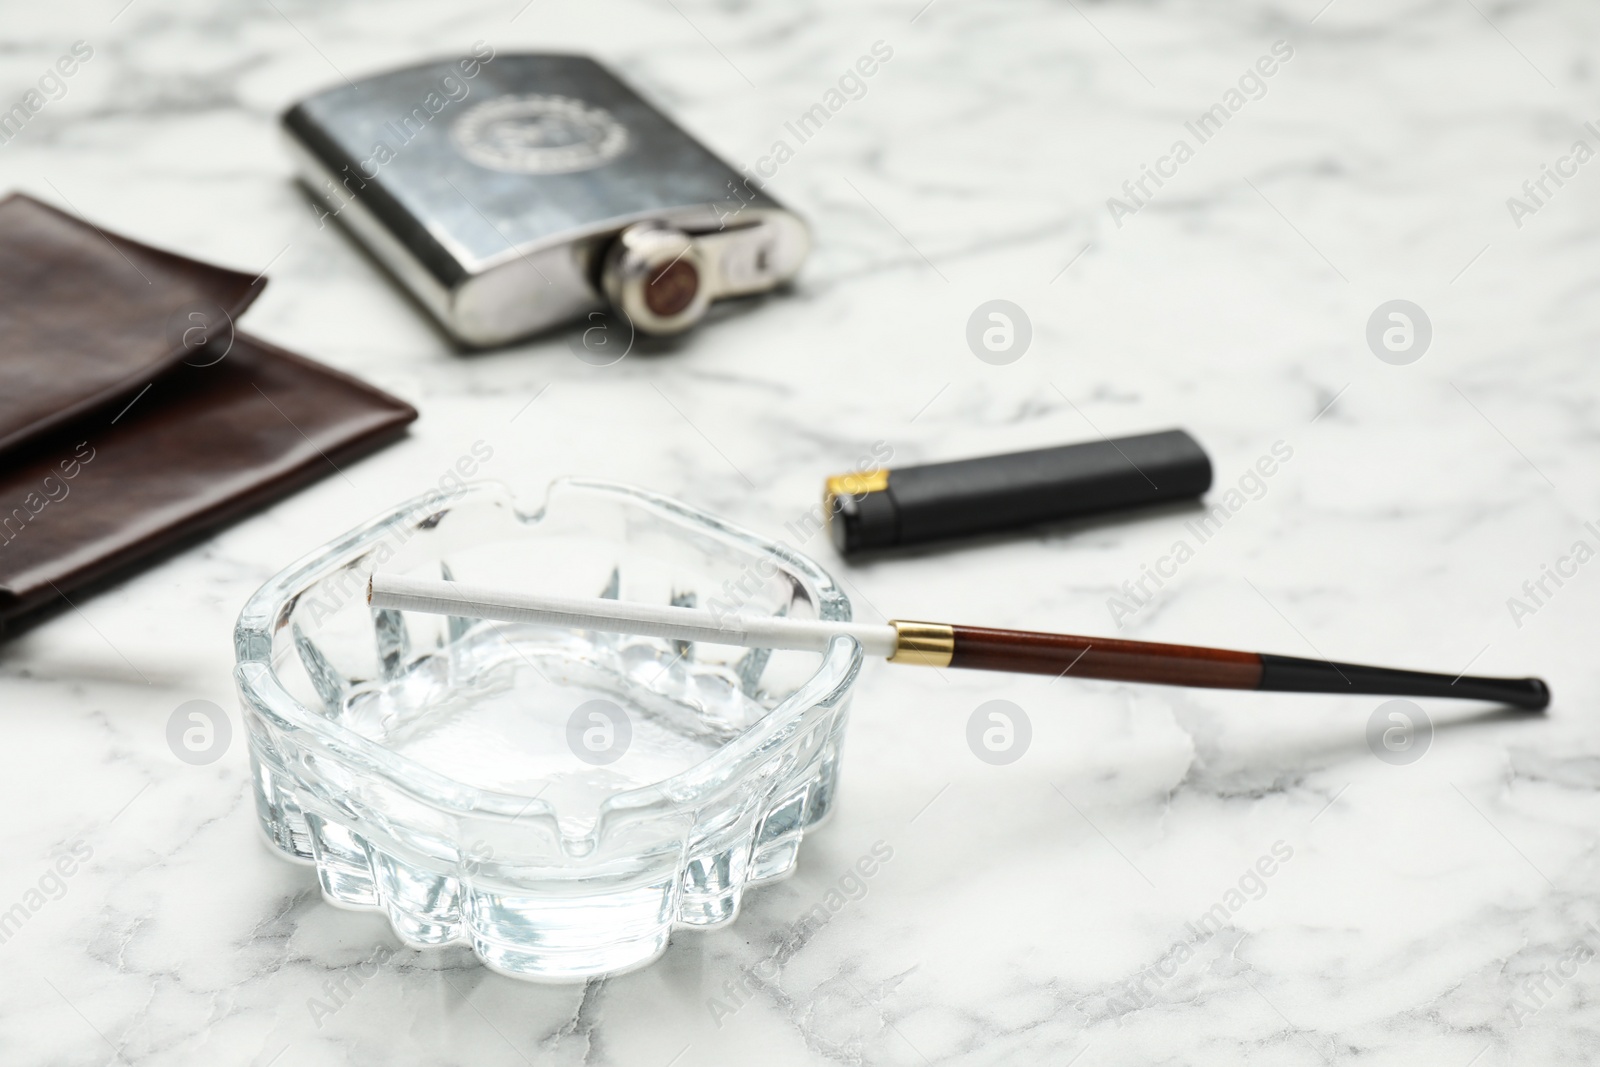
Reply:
x=559 y=799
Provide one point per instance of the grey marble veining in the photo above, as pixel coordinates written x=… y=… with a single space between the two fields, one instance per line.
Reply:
x=1102 y=899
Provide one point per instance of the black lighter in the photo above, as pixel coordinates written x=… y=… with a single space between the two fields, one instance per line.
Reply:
x=884 y=508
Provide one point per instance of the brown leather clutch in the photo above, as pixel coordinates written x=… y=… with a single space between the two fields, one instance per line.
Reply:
x=121 y=438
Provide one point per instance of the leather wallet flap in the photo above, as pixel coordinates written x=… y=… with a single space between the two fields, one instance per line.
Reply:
x=201 y=446
x=89 y=317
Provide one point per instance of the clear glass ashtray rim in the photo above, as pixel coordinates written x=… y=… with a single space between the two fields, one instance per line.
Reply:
x=257 y=679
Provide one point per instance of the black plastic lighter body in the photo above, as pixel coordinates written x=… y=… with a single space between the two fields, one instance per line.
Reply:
x=941 y=501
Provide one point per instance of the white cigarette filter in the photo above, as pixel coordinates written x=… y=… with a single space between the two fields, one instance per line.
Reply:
x=622 y=616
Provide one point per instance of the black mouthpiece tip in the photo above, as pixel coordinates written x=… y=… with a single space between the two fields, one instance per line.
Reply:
x=1538 y=695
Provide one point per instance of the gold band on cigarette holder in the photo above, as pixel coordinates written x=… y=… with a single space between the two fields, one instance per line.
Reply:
x=930 y=644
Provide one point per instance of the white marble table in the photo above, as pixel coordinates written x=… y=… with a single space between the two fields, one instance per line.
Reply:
x=1052 y=910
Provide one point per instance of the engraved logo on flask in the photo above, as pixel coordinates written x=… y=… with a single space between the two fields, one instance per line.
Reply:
x=539 y=134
